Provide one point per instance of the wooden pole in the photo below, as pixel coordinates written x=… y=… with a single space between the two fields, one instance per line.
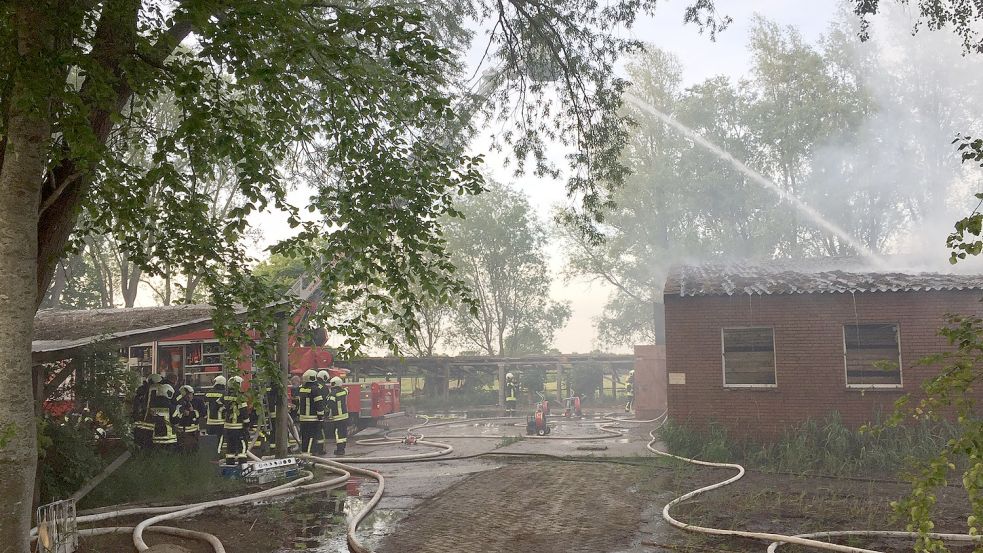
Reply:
x=501 y=385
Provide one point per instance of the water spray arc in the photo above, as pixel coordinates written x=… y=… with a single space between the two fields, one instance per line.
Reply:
x=758 y=178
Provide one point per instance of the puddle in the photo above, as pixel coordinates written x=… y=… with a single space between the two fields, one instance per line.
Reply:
x=323 y=519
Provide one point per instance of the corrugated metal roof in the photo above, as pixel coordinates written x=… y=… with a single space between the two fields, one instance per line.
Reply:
x=807 y=276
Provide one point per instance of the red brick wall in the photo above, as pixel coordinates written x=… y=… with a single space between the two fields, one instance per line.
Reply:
x=808 y=330
x=650 y=381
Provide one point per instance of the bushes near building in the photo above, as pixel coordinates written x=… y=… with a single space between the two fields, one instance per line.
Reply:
x=824 y=446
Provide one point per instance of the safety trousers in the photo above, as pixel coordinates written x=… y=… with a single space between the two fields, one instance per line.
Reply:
x=338 y=430
x=310 y=431
x=235 y=442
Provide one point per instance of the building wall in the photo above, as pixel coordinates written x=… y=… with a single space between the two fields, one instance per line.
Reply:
x=808 y=331
x=650 y=381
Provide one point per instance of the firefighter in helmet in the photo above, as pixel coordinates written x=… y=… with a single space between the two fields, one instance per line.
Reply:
x=323 y=383
x=143 y=424
x=161 y=409
x=215 y=415
x=336 y=411
x=630 y=390
x=511 y=394
x=185 y=417
x=239 y=419
x=310 y=411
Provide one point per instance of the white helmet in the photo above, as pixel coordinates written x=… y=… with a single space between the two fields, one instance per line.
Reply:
x=336 y=381
x=155 y=378
x=310 y=375
x=219 y=381
x=509 y=376
x=235 y=381
x=167 y=391
x=323 y=375
x=187 y=389
x=631 y=372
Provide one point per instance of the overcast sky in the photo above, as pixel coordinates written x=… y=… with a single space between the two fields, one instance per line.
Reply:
x=700 y=59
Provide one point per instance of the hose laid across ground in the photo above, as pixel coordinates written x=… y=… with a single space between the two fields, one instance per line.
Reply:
x=777 y=539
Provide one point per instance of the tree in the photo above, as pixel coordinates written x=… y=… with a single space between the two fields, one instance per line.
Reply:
x=498 y=248
x=356 y=100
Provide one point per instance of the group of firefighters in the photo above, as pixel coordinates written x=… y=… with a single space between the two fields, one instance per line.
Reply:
x=512 y=393
x=163 y=420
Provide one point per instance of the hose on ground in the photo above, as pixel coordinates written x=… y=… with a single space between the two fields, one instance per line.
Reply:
x=776 y=539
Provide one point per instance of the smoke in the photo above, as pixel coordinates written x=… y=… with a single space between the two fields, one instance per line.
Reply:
x=899 y=169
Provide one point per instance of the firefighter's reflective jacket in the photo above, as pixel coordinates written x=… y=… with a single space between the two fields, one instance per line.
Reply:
x=237 y=412
x=186 y=415
x=310 y=405
x=337 y=407
x=215 y=406
x=511 y=390
x=160 y=414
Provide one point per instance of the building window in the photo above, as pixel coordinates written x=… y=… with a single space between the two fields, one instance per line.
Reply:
x=872 y=355
x=748 y=356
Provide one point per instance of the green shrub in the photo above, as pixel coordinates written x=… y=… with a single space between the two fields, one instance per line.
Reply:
x=67 y=457
x=826 y=446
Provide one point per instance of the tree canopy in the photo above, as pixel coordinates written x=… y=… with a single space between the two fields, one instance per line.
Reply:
x=367 y=105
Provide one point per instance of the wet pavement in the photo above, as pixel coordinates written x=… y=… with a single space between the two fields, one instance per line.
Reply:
x=322 y=518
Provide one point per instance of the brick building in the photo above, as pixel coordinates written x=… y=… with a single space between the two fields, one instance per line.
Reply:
x=760 y=347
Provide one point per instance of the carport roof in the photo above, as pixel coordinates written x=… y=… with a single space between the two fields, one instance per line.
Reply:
x=58 y=334
x=807 y=276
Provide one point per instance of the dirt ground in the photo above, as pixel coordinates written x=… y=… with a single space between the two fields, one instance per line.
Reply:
x=536 y=506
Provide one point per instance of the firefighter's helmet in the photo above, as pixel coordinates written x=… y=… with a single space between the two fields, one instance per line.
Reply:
x=167 y=391
x=155 y=378
x=235 y=382
x=187 y=390
x=323 y=375
x=337 y=381
x=310 y=375
x=218 y=381
x=631 y=372
x=509 y=376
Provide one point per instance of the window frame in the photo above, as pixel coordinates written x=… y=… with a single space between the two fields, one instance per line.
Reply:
x=723 y=357
x=846 y=365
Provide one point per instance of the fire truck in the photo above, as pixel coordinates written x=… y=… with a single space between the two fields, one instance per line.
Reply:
x=196 y=358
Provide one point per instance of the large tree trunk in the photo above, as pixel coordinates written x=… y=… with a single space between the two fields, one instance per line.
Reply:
x=28 y=130
x=129 y=281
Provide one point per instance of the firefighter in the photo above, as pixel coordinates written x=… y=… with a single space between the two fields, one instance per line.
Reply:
x=310 y=411
x=239 y=419
x=325 y=435
x=630 y=390
x=215 y=414
x=511 y=394
x=143 y=424
x=185 y=417
x=161 y=408
x=336 y=411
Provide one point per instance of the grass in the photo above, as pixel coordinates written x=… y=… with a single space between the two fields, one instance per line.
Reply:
x=161 y=477
x=819 y=447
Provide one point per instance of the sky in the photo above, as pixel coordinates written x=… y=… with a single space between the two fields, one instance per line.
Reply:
x=701 y=58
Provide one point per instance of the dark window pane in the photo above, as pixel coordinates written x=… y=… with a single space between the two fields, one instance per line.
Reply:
x=749 y=356
x=872 y=354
